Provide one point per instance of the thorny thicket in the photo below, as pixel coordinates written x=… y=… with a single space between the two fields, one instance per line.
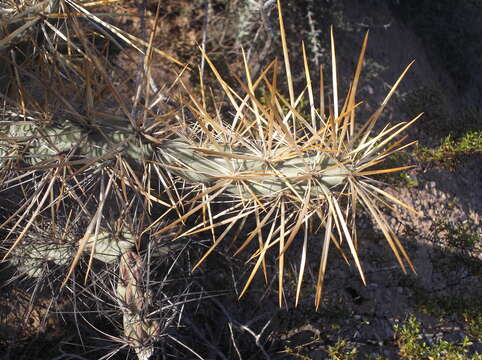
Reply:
x=106 y=177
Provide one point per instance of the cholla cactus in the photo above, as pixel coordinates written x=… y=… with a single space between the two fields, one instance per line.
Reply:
x=284 y=167
x=270 y=159
x=61 y=167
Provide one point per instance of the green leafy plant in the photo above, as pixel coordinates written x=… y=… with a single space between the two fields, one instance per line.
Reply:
x=339 y=351
x=412 y=346
x=452 y=152
x=468 y=308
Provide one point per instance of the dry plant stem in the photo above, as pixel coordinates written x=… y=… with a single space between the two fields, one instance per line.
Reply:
x=246 y=328
x=140 y=333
